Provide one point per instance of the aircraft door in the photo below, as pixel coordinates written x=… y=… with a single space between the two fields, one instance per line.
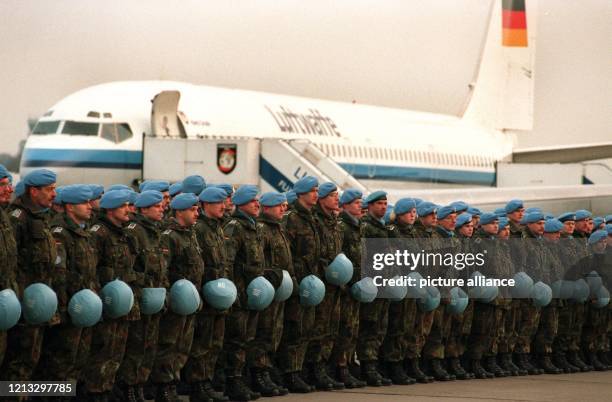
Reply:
x=165 y=119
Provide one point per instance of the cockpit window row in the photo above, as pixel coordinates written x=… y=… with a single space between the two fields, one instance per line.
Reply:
x=113 y=132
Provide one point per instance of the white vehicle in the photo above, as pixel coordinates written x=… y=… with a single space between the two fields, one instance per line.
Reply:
x=122 y=132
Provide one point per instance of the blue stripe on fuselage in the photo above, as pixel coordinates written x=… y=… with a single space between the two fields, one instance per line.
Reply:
x=99 y=158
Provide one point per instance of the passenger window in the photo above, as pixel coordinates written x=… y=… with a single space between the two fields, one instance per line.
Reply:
x=80 y=128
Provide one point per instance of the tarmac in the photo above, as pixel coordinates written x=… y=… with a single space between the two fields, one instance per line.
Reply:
x=579 y=387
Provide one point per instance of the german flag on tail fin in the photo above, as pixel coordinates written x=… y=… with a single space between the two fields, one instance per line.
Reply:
x=514 y=23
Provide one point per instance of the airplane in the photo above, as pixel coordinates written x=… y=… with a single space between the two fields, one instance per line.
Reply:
x=123 y=132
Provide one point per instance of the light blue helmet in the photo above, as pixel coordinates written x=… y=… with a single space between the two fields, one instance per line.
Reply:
x=562 y=289
x=39 y=303
x=260 y=294
x=476 y=292
x=489 y=294
x=523 y=286
x=85 y=308
x=364 y=290
x=594 y=281
x=285 y=290
x=458 y=301
x=118 y=298
x=602 y=298
x=10 y=309
x=431 y=300
x=581 y=291
x=394 y=293
x=340 y=271
x=541 y=294
x=184 y=297
x=220 y=293
x=312 y=291
x=153 y=300
x=417 y=291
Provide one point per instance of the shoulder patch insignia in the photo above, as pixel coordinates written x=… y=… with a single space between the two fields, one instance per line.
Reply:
x=16 y=213
x=131 y=226
x=167 y=232
x=94 y=228
x=58 y=229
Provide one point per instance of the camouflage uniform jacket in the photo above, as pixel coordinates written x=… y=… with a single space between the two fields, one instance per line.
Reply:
x=301 y=230
x=8 y=254
x=182 y=254
x=351 y=232
x=330 y=235
x=277 y=251
x=146 y=235
x=209 y=232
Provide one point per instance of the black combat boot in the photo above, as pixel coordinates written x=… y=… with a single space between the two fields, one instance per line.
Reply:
x=140 y=393
x=480 y=371
x=560 y=361
x=212 y=393
x=505 y=361
x=99 y=397
x=370 y=374
x=455 y=368
x=603 y=358
x=268 y=379
x=492 y=367
x=546 y=364
x=413 y=369
x=296 y=385
x=525 y=364
x=594 y=361
x=237 y=389
x=259 y=384
x=129 y=394
x=343 y=374
x=573 y=357
x=438 y=371
x=395 y=371
x=166 y=393
x=317 y=376
x=197 y=393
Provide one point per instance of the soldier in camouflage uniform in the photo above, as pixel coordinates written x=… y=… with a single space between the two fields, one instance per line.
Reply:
x=115 y=254
x=36 y=261
x=246 y=259
x=327 y=314
x=301 y=230
x=374 y=316
x=141 y=346
x=65 y=343
x=210 y=322
x=183 y=258
x=346 y=341
x=277 y=253
x=8 y=247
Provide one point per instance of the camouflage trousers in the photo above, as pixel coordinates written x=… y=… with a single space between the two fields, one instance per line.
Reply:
x=485 y=330
x=373 y=322
x=548 y=328
x=529 y=320
x=571 y=320
x=401 y=330
x=348 y=329
x=173 y=347
x=267 y=337
x=424 y=323
x=206 y=347
x=507 y=339
x=140 y=350
x=460 y=328
x=297 y=322
x=440 y=329
x=326 y=326
x=23 y=349
x=594 y=331
x=240 y=331
x=59 y=353
x=106 y=354
x=2 y=346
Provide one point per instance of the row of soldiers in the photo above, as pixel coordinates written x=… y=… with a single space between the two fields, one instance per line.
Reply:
x=85 y=237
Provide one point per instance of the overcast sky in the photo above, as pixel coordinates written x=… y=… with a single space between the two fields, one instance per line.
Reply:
x=413 y=54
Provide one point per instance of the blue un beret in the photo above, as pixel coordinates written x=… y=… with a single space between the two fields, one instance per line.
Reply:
x=349 y=195
x=194 y=184
x=404 y=205
x=425 y=208
x=460 y=206
x=133 y=197
x=375 y=196
x=533 y=209
x=598 y=236
x=513 y=205
x=115 y=198
x=97 y=190
x=305 y=184
x=533 y=217
x=463 y=219
x=157 y=185
x=5 y=173
x=245 y=194
x=291 y=196
x=148 y=198
x=387 y=217
x=445 y=211
x=19 y=189
x=76 y=194
x=58 y=195
x=474 y=211
x=327 y=188
x=597 y=221
x=229 y=189
x=567 y=216
x=500 y=212
x=175 y=188
x=548 y=215
x=364 y=203
x=609 y=229
x=608 y=218
x=40 y=178
x=272 y=199
x=553 y=226
x=488 y=217
x=184 y=201
x=503 y=222
x=119 y=187
x=582 y=214
x=213 y=195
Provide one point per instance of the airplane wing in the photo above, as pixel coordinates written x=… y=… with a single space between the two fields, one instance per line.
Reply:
x=563 y=153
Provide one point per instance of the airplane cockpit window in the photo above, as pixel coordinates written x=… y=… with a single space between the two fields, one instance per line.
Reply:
x=46 y=127
x=116 y=132
x=80 y=128
x=123 y=132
